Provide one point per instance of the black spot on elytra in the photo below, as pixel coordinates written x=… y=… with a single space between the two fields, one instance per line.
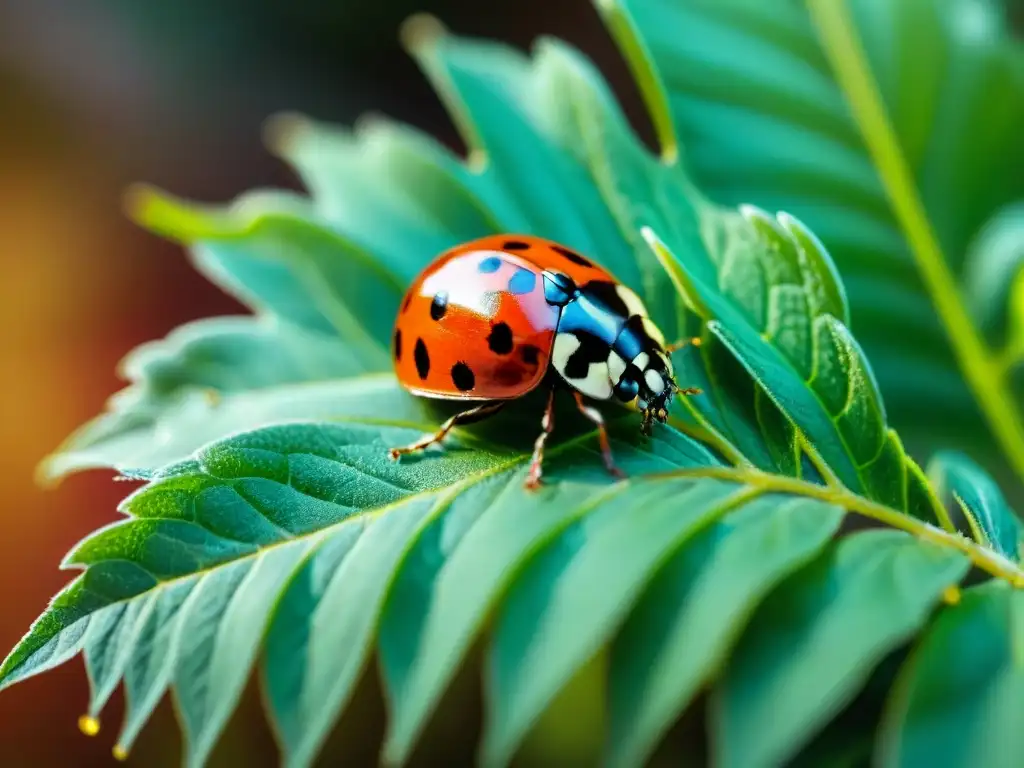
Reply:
x=530 y=354
x=398 y=344
x=516 y=245
x=422 y=359
x=500 y=339
x=490 y=264
x=439 y=305
x=523 y=281
x=572 y=256
x=591 y=350
x=462 y=377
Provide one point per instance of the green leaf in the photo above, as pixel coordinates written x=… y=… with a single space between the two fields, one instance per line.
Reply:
x=151 y=662
x=289 y=539
x=991 y=520
x=681 y=632
x=285 y=665
x=342 y=626
x=958 y=699
x=110 y=635
x=234 y=524
x=201 y=380
x=274 y=532
x=991 y=270
x=219 y=641
x=568 y=602
x=515 y=526
x=813 y=643
x=326 y=311
x=772 y=306
x=890 y=128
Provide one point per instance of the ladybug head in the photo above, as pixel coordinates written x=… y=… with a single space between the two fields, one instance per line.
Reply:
x=654 y=406
x=653 y=387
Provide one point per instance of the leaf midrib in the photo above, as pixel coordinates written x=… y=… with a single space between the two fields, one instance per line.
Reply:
x=445 y=494
x=981 y=556
x=984 y=558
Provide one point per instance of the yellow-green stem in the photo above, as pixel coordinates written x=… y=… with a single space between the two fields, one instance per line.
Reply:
x=638 y=59
x=984 y=558
x=979 y=366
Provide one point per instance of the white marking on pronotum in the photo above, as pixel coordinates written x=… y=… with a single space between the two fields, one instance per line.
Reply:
x=631 y=300
x=596 y=383
x=653 y=331
x=616 y=366
x=641 y=360
x=565 y=345
x=654 y=381
x=665 y=359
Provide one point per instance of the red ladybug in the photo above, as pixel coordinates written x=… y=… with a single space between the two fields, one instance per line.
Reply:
x=490 y=320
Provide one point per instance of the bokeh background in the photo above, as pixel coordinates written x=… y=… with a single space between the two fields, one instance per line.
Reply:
x=95 y=95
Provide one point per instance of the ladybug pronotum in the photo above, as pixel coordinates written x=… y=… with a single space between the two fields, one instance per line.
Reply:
x=495 y=318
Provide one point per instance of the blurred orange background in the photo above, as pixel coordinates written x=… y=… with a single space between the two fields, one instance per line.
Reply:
x=95 y=95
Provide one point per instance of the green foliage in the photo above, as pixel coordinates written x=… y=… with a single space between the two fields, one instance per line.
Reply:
x=898 y=176
x=972 y=706
x=989 y=518
x=273 y=533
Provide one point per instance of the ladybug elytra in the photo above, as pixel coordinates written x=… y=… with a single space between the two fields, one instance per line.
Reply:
x=493 y=319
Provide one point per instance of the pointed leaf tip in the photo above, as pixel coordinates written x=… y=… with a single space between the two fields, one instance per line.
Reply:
x=420 y=32
x=280 y=131
x=991 y=520
x=164 y=214
x=679 y=277
x=753 y=213
x=139 y=200
x=369 y=123
x=820 y=262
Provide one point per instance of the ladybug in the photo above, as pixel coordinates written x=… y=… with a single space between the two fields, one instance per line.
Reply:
x=497 y=317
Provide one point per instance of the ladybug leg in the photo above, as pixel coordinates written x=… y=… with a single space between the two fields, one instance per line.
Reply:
x=547 y=424
x=479 y=413
x=680 y=343
x=602 y=433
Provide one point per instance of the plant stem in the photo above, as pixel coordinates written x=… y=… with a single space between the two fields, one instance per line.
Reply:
x=979 y=367
x=984 y=558
x=638 y=59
